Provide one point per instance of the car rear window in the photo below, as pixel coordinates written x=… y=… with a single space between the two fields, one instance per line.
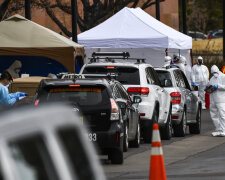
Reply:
x=126 y=75
x=164 y=75
x=81 y=96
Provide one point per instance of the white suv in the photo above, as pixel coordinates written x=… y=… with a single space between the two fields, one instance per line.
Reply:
x=141 y=79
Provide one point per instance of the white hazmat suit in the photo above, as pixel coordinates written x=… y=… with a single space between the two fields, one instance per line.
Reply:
x=187 y=69
x=168 y=61
x=178 y=62
x=200 y=78
x=217 y=101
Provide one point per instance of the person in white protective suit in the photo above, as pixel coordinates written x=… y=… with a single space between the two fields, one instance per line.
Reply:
x=14 y=69
x=187 y=68
x=168 y=61
x=217 y=101
x=177 y=62
x=200 y=78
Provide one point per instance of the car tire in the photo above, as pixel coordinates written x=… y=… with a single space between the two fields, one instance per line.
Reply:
x=167 y=130
x=116 y=156
x=196 y=127
x=180 y=129
x=147 y=134
x=136 y=142
x=126 y=139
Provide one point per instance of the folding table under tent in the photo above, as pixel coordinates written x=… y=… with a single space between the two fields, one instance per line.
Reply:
x=40 y=50
x=137 y=32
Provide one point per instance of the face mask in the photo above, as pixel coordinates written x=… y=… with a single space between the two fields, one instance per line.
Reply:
x=199 y=62
x=216 y=75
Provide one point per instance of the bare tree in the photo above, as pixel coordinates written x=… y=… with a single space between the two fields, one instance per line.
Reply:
x=93 y=13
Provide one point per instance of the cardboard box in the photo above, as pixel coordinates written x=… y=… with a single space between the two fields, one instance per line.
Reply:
x=28 y=85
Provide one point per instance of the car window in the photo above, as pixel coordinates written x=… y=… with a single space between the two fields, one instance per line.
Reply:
x=31 y=159
x=76 y=154
x=149 y=76
x=125 y=75
x=123 y=93
x=179 y=79
x=82 y=96
x=187 y=85
x=163 y=77
x=157 y=81
x=116 y=92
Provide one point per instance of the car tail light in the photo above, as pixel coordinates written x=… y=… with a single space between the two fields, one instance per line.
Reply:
x=36 y=102
x=176 y=97
x=74 y=85
x=110 y=67
x=140 y=90
x=209 y=37
x=142 y=114
x=175 y=117
x=115 y=110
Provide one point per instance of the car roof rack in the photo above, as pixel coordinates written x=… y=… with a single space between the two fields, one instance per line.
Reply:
x=111 y=56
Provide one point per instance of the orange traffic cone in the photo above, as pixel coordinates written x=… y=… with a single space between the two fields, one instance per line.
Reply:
x=157 y=168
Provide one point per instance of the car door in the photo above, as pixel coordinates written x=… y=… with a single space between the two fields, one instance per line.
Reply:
x=187 y=93
x=130 y=111
x=191 y=98
x=162 y=94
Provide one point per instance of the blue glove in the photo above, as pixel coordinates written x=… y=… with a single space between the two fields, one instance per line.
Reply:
x=194 y=84
x=21 y=94
x=215 y=86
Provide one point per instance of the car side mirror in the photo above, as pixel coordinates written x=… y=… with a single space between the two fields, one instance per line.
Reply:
x=136 y=99
x=167 y=83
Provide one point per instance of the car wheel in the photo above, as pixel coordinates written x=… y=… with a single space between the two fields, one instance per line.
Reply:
x=136 y=142
x=166 y=132
x=147 y=134
x=116 y=156
x=126 y=140
x=196 y=128
x=180 y=129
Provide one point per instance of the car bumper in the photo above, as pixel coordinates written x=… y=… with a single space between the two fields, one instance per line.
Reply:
x=177 y=112
x=146 y=110
x=110 y=139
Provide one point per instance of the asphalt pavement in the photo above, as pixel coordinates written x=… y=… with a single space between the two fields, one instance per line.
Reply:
x=193 y=157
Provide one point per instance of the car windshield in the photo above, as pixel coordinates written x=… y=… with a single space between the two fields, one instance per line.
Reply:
x=165 y=78
x=126 y=75
x=81 y=96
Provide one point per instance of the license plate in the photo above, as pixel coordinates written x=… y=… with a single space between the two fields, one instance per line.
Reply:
x=92 y=137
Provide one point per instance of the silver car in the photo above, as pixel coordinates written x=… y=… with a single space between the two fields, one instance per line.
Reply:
x=186 y=106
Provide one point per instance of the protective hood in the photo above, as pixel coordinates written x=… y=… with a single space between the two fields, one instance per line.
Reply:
x=12 y=69
x=214 y=69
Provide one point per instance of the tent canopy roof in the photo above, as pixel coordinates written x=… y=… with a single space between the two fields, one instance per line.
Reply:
x=134 y=28
x=20 y=32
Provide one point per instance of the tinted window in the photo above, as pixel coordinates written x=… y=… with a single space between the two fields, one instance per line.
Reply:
x=82 y=96
x=179 y=79
x=126 y=75
x=123 y=93
x=149 y=76
x=76 y=153
x=163 y=76
x=32 y=160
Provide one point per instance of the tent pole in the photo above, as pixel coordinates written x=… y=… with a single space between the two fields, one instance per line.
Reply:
x=184 y=9
x=27 y=10
x=157 y=10
x=74 y=20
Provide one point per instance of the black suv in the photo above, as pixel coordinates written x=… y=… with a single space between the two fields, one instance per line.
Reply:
x=102 y=111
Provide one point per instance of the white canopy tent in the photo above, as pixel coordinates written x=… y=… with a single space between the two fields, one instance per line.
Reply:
x=137 y=32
